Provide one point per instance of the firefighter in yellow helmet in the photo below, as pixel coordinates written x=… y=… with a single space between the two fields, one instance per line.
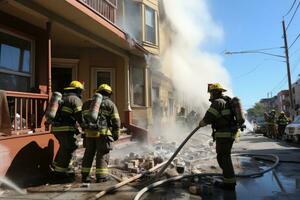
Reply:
x=64 y=129
x=100 y=135
x=221 y=117
x=282 y=122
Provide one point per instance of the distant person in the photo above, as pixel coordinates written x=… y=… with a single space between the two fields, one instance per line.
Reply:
x=191 y=119
x=221 y=117
x=100 y=135
x=282 y=122
x=272 y=131
x=181 y=118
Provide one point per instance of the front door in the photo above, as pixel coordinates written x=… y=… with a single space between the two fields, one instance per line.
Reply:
x=63 y=72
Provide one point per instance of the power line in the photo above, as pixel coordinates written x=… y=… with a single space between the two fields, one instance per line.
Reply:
x=293 y=16
x=290 y=8
x=294 y=40
x=281 y=83
x=251 y=71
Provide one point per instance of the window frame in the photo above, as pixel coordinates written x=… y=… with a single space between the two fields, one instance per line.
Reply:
x=31 y=72
x=133 y=104
x=149 y=43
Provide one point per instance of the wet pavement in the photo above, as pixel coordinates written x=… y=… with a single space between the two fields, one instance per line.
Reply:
x=281 y=183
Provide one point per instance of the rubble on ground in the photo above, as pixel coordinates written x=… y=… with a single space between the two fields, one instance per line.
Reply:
x=189 y=160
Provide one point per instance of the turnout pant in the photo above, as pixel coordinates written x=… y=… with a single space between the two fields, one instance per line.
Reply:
x=223 y=149
x=272 y=130
x=101 y=147
x=67 y=145
x=281 y=129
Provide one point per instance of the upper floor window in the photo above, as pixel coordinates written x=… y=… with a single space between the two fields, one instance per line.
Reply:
x=15 y=62
x=150 y=25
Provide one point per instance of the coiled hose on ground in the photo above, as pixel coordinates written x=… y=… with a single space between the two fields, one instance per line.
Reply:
x=268 y=157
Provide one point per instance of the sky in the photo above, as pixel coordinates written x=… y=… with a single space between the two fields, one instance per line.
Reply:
x=256 y=24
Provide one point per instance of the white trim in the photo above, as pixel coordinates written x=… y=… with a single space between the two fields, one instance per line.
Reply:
x=31 y=73
x=5 y=71
x=66 y=63
x=93 y=76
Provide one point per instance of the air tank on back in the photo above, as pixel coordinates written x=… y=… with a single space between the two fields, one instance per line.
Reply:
x=93 y=112
x=51 y=111
x=237 y=109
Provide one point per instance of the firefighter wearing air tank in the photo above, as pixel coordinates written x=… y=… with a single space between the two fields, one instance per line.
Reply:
x=102 y=123
x=68 y=113
x=225 y=116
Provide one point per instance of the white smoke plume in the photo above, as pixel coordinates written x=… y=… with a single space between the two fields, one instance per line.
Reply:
x=184 y=57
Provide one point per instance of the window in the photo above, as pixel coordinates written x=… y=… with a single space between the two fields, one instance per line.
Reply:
x=138 y=81
x=150 y=31
x=101 y=76
x=155 y=94
x=15 y=62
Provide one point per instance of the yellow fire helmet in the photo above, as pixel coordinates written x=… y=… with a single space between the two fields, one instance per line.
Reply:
x=215 y=86
x=75 y=85
x=104 y=87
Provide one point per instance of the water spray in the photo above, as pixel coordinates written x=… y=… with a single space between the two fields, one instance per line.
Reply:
x=10 y=184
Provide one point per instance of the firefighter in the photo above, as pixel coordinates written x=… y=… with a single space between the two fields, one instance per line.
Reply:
x=282 y=121
x=181 y=118
x=272 y=132
x=191 y=119
x=99 y=137
x=221 y=117
x=64 y=129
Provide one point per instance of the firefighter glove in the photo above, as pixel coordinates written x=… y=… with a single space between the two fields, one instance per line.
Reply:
x=202 y=124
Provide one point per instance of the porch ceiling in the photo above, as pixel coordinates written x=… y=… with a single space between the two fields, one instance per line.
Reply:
x=61 y=36
x=70 y=25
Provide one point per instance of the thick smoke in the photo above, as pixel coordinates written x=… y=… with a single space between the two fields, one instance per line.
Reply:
x=189 y=27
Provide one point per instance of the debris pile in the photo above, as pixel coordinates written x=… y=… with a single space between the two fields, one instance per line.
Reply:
x=139 y=159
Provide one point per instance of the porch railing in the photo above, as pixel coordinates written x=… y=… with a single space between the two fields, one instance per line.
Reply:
x=26 y=111
x=106 y=8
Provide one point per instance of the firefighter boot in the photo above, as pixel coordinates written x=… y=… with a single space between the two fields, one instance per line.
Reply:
x=86 y=179
x=225 y=186
x=101 y=179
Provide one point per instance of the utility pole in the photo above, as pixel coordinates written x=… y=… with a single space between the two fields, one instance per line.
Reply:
x=288 y=67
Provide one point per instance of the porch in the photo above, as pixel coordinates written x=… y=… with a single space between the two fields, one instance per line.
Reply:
x=51 y=49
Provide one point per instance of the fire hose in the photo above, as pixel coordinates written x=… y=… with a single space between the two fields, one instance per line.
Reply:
x=158 y=183
x=177 y=178
x=176 y=152
x=164 y=166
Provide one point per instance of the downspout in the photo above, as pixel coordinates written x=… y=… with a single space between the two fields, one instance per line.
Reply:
x=48 y=26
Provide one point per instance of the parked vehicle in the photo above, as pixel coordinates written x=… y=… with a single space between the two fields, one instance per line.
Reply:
x=260 y=126
x=292 y=131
